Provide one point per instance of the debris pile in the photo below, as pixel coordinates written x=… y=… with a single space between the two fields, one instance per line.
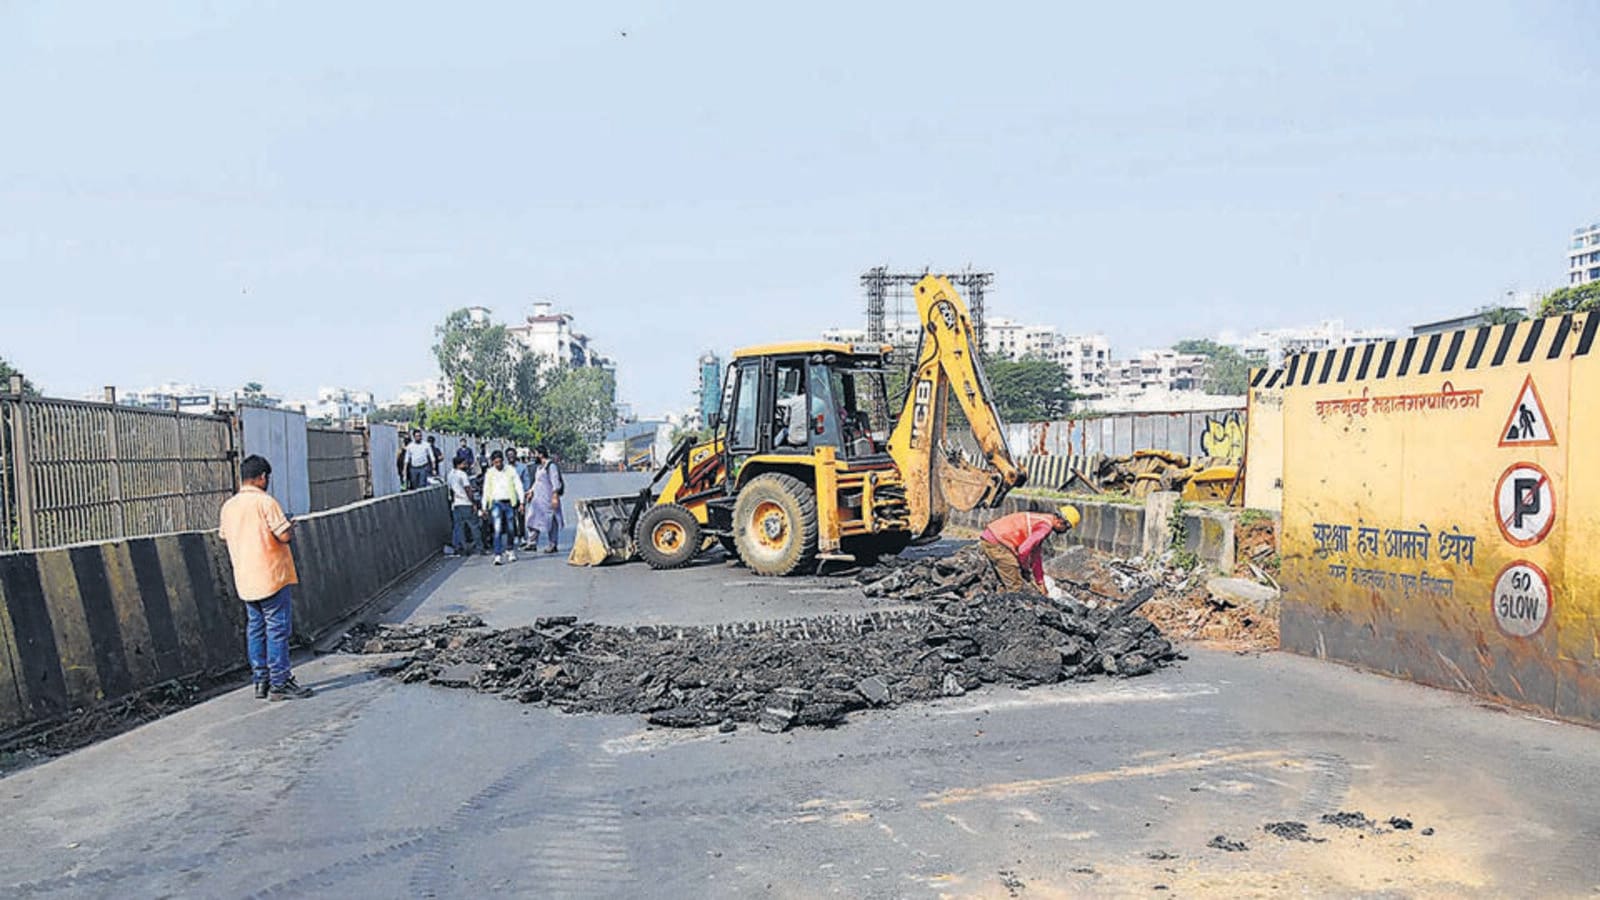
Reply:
x=1181 y=601
x=777 y=675
x=1144 y=472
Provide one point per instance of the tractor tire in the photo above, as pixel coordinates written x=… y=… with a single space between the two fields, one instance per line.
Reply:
x=667 y=536
x=775 y=524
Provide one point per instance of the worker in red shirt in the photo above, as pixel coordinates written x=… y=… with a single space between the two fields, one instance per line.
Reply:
x=1016 y=542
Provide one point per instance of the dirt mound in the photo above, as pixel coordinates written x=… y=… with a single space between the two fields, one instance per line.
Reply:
x=1179 y=603
x=777 y=674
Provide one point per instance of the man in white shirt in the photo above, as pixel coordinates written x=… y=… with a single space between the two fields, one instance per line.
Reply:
x=794 y=420
x=502 y=495
x=464 y=519
x=419 y=461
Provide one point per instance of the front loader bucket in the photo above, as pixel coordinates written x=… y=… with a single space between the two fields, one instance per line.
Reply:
x=605 y=529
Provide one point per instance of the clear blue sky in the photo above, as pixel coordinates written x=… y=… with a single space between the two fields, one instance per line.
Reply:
x=295 y=193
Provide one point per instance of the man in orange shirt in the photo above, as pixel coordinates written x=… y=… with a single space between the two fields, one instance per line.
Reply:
x=257 y=534
x=1015 y=542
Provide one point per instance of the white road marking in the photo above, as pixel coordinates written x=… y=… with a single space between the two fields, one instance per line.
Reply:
x=1040 y=697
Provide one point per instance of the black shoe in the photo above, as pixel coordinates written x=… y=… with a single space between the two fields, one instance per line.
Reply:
x=289 y=690
x=261 y=690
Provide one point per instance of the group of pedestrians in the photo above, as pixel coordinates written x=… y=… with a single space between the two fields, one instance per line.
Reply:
x=519 y=498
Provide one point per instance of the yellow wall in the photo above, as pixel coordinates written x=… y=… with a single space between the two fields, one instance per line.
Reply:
x=1413 y=451
x=1263 y=466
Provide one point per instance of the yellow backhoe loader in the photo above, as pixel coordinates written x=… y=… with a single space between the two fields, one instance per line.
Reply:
x=809 y=461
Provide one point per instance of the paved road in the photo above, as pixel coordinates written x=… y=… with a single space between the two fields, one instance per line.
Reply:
x=376 y=789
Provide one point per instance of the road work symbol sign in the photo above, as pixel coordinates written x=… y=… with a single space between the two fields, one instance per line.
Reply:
x=1527 y=425
x=1521 y=599
x=1525 y=504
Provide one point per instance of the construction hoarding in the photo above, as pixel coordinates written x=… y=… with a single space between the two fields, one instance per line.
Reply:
x=1440 y=496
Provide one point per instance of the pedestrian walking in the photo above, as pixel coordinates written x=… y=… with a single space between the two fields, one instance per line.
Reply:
x=464 y=451
x=544 y=500
x=519 y=465
x=502 y=496
x=257 y=534
x=419 y=461
x=464 y=526
x=1016 y=542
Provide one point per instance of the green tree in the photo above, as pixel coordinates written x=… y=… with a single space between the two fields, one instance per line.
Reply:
x=253 y=394
x=395 y=414
x=1501 y=315
x=582 y=401
x=1028 y=390
x=1579 y=298
x=1227 y=370
x=6 y=371
x=475 y=352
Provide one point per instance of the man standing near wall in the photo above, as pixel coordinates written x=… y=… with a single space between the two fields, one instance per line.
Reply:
x=257 y=534
x=419 y=459
x=463 y=516
x=435 y=459
x=1016 y=542
x=502 y=494
x=465 y=452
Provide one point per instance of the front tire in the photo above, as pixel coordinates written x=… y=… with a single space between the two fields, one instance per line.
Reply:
x=775 y=524
x=668 y=536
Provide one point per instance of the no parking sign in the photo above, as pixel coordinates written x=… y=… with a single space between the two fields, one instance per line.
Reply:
x=1525 y=504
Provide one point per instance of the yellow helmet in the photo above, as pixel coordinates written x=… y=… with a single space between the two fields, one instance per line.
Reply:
x=1071 y=515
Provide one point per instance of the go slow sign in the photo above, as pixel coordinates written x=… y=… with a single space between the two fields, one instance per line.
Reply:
x=1521 y=599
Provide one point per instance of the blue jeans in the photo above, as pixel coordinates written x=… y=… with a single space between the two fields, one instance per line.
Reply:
x=267 y=637
x=505 y=525
x=464 y=530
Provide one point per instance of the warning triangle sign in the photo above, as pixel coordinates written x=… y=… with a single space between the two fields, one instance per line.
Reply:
x=1527 y=425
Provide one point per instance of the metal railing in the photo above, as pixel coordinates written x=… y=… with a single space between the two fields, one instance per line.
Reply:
x=75 y=471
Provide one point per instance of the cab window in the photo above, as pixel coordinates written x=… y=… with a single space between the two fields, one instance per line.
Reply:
x=746 y=391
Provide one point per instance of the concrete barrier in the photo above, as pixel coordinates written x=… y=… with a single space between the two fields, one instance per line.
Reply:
x=1119 y=529
x=89 y=623
x=349 y=555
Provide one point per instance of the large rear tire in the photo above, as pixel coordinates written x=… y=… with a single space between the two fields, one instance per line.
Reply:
x=668 y=536
x=775 y=524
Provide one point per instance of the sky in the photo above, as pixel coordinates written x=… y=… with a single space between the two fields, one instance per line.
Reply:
x=297 y=193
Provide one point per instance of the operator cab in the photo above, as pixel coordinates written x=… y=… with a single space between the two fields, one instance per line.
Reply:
x=796 y=398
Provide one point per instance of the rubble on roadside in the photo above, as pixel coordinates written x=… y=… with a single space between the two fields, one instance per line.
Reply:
x=778 y=675
x=1181 y=601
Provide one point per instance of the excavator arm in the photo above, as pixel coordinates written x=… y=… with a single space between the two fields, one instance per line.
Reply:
x=935 y=477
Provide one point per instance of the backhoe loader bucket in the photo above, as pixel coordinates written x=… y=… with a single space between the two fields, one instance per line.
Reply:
x=605 y=529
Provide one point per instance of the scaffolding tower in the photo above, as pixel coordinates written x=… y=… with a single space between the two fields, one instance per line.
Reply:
x=888 y=291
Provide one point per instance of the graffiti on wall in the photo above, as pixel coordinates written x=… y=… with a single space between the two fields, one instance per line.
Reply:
x=1223 y=437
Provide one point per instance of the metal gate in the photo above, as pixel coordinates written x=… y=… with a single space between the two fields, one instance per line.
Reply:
x=75 y=471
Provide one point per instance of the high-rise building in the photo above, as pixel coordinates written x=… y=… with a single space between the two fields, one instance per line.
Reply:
x=1158 y=371
x=1086 y=358
x=710 y=386
x=548 y=335
x=1583 y=255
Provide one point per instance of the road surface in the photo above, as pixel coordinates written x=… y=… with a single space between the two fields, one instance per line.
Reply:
x=378 y=789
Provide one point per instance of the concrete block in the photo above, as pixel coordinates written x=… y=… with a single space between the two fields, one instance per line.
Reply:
x=1159 y=509
x=1243 y=592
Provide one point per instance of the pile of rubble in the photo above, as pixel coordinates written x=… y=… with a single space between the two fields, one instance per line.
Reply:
x=799 y=672
x=1186 y=604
